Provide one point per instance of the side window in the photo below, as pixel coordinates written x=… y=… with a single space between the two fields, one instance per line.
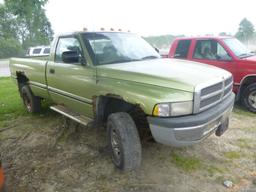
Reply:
x=37 y=51
x=47 y=51
x=66 y=44
x=182 y=49
x=210 y=50
x=222 y=54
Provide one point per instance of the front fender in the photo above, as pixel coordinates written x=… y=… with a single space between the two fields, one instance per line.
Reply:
x=144 y=95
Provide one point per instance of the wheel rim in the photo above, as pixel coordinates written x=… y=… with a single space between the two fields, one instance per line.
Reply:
x=252 y=99
x=115 y=145
x=27 y=102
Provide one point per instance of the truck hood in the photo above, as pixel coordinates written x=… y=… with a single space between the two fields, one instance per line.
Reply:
x=252 y=58
x=170 y=73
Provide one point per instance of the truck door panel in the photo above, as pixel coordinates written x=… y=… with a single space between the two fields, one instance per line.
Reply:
x=212 y=52
x=68 y=83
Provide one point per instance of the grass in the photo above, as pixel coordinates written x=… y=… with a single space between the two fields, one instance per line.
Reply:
x=186 y=163
x=11 y=105
x=212 y=170
x=243 y=143
x=242 y=111
x=232 y=154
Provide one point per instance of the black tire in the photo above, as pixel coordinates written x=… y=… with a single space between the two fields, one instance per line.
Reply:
x=31 y=102
x=124 y=141
x=249 y=98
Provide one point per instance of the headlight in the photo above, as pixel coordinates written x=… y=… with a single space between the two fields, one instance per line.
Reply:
x=173 y=109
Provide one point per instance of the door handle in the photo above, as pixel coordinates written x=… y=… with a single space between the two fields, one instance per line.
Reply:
x=52 y=71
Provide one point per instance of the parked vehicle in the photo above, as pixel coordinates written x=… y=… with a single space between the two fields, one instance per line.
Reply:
x=227 y=53
x=2 y=188
x=117 y=79
x=38 y=51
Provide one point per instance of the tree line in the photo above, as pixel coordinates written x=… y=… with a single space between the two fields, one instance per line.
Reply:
x=245 y=33
x=23 y=24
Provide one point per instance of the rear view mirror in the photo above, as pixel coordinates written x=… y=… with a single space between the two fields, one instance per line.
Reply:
x=70 y=57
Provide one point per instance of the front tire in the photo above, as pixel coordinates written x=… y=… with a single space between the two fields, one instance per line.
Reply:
x=249 y=98
x=31 y=102
x=124 y=141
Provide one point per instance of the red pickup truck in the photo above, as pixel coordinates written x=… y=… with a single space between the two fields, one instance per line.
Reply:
x=224 y=52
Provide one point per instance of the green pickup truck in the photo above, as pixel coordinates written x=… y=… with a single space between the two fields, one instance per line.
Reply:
x=117 y=80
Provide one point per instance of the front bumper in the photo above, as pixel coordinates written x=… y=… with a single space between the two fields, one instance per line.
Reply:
x=191 y=129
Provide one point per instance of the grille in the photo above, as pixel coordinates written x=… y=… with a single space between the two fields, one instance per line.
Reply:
x=213 y=94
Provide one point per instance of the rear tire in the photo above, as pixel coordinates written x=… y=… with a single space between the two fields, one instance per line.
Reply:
x=124 y=141
x=249 y=98
x=31 y=102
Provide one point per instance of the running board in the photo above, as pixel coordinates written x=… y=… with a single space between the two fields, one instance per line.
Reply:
x=74 y=116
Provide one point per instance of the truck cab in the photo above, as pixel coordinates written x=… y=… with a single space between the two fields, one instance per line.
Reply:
x=227 y=53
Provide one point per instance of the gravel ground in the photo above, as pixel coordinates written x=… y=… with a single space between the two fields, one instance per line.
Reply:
x=44 y=153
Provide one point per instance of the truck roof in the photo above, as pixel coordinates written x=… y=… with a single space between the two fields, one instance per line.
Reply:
x=203 y=37
x=79 y=32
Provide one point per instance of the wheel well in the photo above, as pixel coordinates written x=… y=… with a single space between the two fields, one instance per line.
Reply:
x=245 y=83
x=21 y=79
x=106 y=105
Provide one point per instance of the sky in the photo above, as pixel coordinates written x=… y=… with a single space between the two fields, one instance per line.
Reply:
x=151 y=17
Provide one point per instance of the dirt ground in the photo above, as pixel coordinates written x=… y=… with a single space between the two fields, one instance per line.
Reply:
x=49 y=154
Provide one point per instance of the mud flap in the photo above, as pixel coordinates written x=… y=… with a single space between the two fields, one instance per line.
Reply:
x=223 y=127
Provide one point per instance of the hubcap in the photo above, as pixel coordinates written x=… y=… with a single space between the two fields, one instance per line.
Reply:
x=252 y=99
x=115 y=144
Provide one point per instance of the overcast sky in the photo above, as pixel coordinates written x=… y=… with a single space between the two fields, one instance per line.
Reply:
x=151 y=17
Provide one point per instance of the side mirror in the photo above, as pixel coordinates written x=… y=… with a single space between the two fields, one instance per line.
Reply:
x=157 y=50
x=70 y=57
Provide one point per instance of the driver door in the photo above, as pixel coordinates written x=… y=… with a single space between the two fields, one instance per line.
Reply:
x=71 y=84
x=212 y=52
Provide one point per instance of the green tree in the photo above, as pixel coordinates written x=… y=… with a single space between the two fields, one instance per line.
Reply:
x=7 y=24
x=10 y=47
x=32 y=25
x=9 y=44
x=245 y=30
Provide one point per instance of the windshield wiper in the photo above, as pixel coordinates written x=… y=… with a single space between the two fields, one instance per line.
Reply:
x=244 y=55
x=121 y=61
x=150 y=57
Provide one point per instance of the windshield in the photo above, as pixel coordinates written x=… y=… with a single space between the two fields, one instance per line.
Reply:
x=114 y=47
x=238 y=48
